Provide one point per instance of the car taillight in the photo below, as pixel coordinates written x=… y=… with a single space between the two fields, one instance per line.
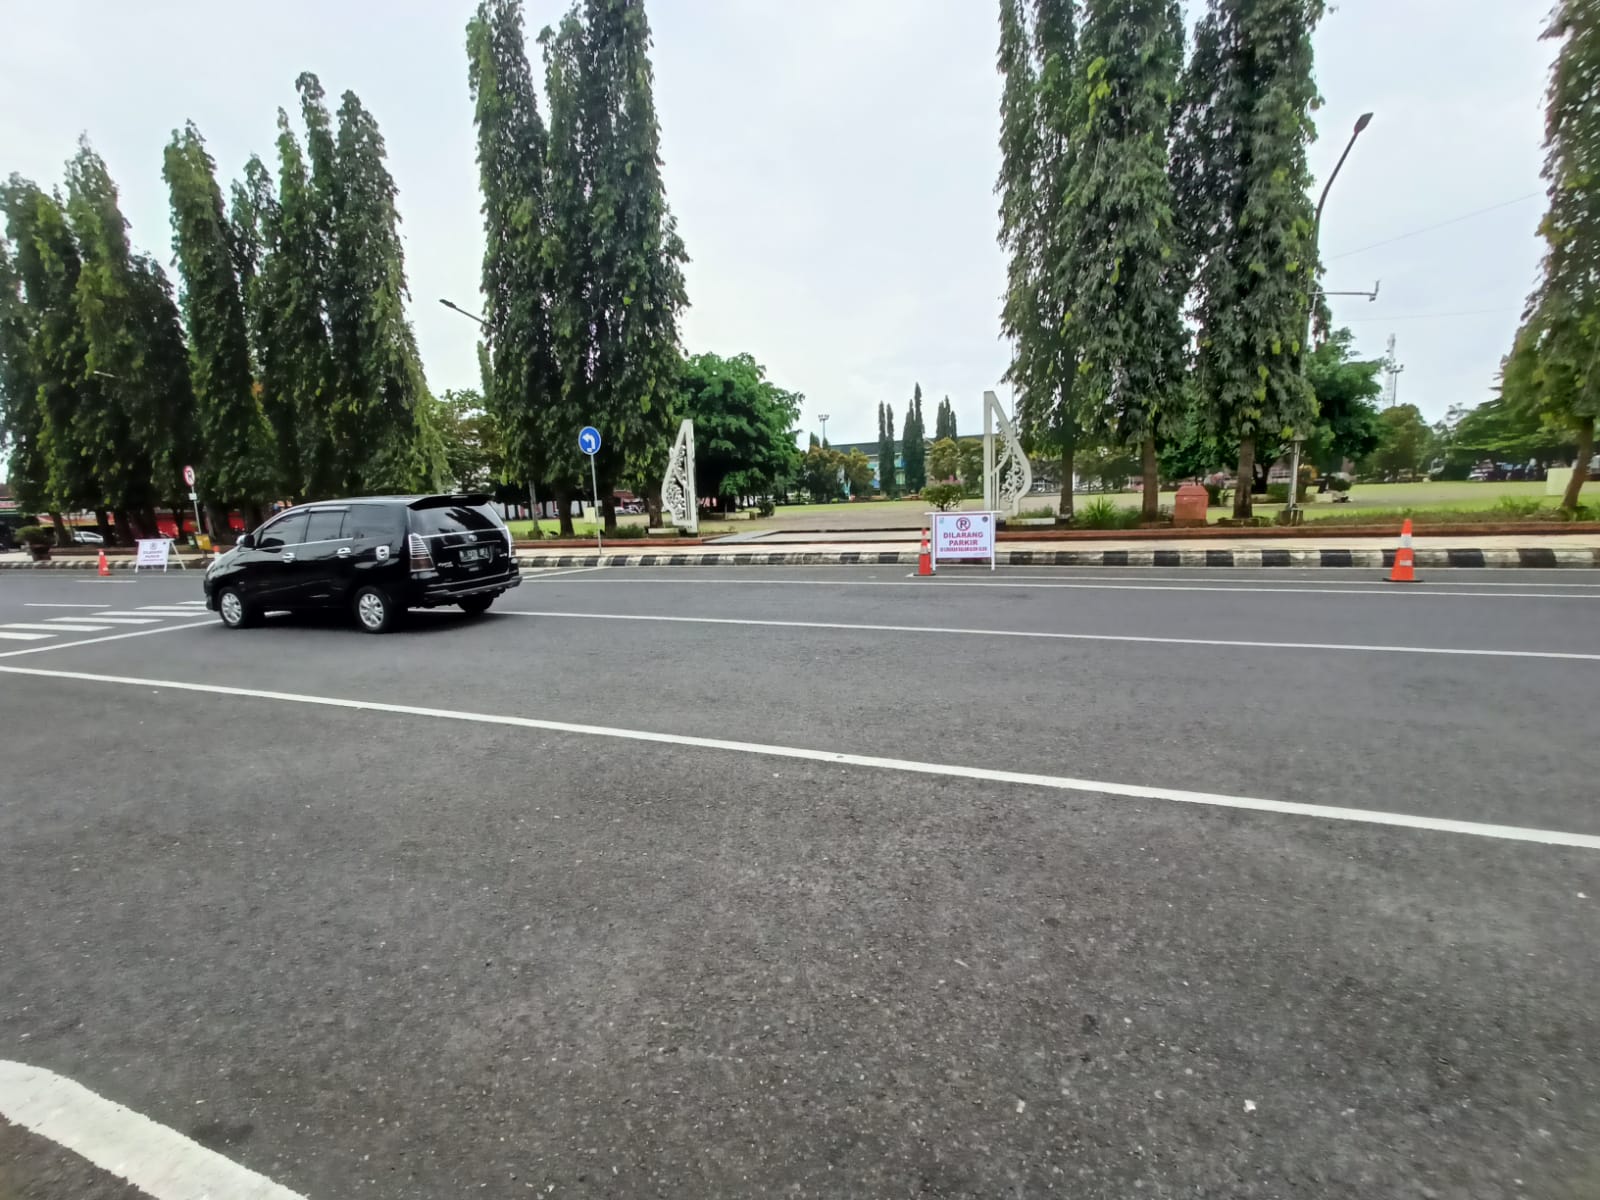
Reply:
x=421 y=559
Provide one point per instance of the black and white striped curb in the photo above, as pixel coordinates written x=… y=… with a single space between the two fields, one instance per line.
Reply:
x=1526 y=556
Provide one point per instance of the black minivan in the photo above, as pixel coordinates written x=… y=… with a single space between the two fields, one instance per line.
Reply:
x=375 y=555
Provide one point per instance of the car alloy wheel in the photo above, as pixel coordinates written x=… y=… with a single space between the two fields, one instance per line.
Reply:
x=231 y=608
x=372 y=611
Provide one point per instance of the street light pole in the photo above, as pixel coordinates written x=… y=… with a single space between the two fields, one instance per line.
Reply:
x=823 y=417
x=1362 y=122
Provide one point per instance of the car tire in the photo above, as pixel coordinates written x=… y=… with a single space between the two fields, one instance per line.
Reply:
x=475 y=605
x=374 y=610
x=236 y=612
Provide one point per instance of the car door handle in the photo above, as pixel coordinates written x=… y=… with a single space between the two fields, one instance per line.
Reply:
x=288 y=557
x=344 y=551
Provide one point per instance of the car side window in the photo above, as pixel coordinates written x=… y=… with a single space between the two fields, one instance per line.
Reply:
x=327 y=525
x=287 y=530
x=371 y=522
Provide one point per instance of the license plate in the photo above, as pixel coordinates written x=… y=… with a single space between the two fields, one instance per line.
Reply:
x=474 y=554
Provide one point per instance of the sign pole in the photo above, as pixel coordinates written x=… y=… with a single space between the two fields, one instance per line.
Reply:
x=594 y=487
x=589 y=443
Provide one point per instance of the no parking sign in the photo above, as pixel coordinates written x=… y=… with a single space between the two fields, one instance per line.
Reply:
x=963 y=537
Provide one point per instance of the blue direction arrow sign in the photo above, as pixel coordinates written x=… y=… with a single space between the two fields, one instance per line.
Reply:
x=589 y=440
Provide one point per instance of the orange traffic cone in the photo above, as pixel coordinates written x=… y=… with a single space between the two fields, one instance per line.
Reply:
x=1404 y=570
x=105 y=567
x=925 y=558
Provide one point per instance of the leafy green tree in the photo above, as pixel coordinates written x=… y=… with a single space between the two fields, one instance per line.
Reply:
x=1039 y=63
x=944 y=459
x=523 y=385
x=616 y=258
x=820 y=471
x=744 y=426
x=944 y=421
x=1241 y=181
x=1346 y=388
x=913 y=444
x=856 y=468
x=235 y=438
x=473 y=450
x=1403 y=440
x=886 y=472
x=971 y=465
x=1123 y=259
x=1551 y=368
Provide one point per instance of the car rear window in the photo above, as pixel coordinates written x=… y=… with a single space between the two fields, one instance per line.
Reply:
x=454 y=518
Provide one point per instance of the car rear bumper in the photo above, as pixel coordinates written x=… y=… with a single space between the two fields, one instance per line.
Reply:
x=434 y=594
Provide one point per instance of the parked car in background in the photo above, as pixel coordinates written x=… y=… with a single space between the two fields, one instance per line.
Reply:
x=87 y=537
x=375 y=556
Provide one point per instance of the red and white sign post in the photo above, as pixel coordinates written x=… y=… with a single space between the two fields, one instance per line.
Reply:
x=963 y=537
x=194 y=498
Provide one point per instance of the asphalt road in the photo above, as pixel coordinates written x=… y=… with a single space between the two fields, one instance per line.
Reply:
x=830 y=883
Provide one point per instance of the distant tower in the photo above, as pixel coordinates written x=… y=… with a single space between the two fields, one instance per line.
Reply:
x=1391 y=372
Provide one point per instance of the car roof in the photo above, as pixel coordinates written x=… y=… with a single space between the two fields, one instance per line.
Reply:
x=422 y=500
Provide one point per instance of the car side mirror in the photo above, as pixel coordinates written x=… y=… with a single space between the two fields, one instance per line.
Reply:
x=247 y=541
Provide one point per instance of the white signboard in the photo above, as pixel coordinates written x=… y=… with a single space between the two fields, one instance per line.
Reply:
x=153 y=553
x=963 y=537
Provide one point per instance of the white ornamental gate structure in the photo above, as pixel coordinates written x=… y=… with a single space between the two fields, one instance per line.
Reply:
x=1008 y=477
x=678 y=498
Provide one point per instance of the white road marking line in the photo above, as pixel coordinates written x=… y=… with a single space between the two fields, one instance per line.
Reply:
x=1068 y=637
x=75 y=628
x=165 y=609
x=110 y=637
x=158 y=1161
x=548 y=573
x=36 y=604
x=1513 y=833
x=22 y=637
x=102 y=620
x=1392 y=590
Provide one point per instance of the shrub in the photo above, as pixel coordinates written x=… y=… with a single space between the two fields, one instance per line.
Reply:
x=943 y=496
x=765 y=508
x=1277 y=493
x=1218 y=496
x=1104 y=513
x=34 y=535
x=1036 y=514
x=1338 y=483
x=1519 y=506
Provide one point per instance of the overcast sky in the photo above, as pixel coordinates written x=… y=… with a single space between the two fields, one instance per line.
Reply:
x=831 y=165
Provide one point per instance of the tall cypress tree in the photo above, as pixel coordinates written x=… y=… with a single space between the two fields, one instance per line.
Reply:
x=383 y=437
x=133 y=401
x=1123 y=262
x=48 y=266
x=1242 y=184
x=892 y=488
x=21 y=416
x=616 y=255
x=1551 y=372
x=1039 y=62
x=913 y=444
x=235 y=437
x=521 y=384
x=886 y=474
